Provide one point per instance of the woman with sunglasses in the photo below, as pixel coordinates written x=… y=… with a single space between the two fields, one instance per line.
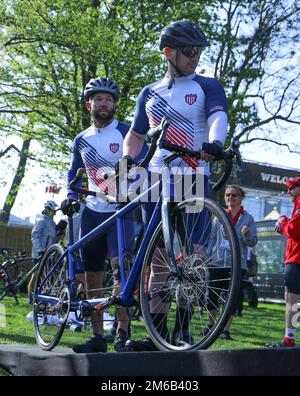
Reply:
x=246 y=231
x=290 y=228
x=196 y=109
x=247 y=235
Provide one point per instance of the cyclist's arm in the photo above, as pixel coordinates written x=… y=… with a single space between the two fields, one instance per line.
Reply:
x=216 y=112
x=133 y=144
x=217 y=124
x=76 y=163
x=135 y=138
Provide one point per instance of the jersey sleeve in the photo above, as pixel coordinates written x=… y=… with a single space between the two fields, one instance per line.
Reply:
x=76 y=163
x=140 y=122
x=215 y=98
x=123 y=128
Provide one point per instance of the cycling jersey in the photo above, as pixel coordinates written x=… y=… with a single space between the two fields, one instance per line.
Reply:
x=188 y=105
x=290 y=228
x=98 y=150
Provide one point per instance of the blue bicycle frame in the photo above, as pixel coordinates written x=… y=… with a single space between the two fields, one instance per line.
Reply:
x=127 y=284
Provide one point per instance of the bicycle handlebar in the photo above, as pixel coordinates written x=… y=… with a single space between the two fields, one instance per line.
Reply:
x=157 y=138
x=98 y=194
x=226 y=155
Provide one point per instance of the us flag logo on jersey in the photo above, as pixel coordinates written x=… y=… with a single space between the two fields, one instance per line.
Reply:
x=114 y=147
x=190 y=98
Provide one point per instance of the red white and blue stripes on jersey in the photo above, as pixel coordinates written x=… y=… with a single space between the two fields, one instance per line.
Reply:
x=188 y=106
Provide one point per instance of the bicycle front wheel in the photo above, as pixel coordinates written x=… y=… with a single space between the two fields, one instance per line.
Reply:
x=51 y=305
x=186 y=304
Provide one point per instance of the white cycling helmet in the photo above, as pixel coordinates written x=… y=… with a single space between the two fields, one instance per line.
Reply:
x=50 y=205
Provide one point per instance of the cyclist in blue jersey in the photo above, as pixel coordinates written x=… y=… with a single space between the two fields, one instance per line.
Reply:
x=196 y=108
x=98 y=149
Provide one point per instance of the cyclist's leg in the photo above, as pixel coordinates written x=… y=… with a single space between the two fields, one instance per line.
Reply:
x=123 y=321
x=157 y=277
x=93 y=259
x=197 y=229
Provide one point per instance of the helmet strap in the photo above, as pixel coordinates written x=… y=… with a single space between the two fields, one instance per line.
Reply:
x=178 y=73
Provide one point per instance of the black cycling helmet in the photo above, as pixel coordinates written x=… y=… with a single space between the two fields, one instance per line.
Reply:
x=101 y=85
x=181 y=34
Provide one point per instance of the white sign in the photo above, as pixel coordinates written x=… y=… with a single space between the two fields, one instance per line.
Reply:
x=270 y=178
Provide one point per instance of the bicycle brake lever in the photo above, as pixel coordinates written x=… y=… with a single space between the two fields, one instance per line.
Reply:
x=235 y=148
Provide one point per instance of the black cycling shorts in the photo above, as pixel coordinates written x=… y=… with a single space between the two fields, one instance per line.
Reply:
x=292 y=278
x=94 y=254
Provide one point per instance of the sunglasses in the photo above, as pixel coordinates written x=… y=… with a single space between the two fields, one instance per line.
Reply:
x=232 y=195
x=191 y=50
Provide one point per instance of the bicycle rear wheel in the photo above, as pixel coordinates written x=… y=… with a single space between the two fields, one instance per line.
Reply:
x=187 y=307
x=51 y=305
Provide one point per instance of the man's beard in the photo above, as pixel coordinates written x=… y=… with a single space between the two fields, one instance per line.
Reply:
x=103 y=120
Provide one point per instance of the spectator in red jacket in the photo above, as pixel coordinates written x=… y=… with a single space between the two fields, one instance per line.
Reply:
x=290 y=228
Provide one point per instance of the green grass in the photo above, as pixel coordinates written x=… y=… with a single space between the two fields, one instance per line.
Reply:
x=253 y=330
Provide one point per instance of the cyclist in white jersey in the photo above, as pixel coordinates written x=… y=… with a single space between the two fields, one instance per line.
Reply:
x=196 y=108
x=98 y=149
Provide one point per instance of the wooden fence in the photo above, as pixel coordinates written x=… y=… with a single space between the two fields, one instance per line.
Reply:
x=16 y=237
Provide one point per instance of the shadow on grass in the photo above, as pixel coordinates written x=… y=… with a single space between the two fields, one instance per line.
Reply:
x=16 y=339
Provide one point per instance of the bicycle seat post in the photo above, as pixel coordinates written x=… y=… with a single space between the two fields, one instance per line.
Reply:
x=70 y=229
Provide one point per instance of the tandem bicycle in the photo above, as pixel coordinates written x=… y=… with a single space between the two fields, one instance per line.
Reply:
x=189 y=269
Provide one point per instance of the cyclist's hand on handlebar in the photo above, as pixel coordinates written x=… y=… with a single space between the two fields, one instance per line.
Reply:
x=211 y=151
x=125 y=163
x=70 y=206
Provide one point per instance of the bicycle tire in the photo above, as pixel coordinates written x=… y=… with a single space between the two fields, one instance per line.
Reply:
x=191 y=290
x=50 y=319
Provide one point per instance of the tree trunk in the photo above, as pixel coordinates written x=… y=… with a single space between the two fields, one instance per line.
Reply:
x=14 y=189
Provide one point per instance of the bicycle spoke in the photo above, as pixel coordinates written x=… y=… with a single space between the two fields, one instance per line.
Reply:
x=188 y=308
x=51 y=299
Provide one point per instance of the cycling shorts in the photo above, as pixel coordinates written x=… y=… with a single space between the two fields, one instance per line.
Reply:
x=94 y=254
x=203 y=224
x=292 y=278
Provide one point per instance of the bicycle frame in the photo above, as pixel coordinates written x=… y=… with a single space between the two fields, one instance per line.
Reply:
x=28 y=274
x=15 y=263
x=128 y=284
